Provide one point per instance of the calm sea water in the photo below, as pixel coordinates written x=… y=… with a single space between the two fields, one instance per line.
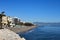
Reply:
x=43 y=33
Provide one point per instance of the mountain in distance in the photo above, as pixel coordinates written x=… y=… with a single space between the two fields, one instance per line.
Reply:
x=49 y=23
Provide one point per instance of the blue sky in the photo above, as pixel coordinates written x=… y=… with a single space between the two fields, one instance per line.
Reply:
x=32 y=10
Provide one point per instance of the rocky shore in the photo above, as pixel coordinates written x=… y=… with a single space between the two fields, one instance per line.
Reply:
x=6 y=34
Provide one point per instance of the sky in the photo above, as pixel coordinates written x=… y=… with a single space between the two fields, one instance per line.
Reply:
x=32 y=10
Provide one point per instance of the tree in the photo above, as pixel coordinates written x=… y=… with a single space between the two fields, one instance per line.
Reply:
x=28 y=24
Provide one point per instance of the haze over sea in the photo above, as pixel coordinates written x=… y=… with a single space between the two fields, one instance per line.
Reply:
x=47 y=32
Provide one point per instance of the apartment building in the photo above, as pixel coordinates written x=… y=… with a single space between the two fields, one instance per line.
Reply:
x=11 y=22
x=4 y=20
x=8 y=21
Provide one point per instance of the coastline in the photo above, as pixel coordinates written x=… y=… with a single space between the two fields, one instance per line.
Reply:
x=21 y=29
x=28 y=29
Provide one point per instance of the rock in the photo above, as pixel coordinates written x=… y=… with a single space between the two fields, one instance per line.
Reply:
x=6 y=34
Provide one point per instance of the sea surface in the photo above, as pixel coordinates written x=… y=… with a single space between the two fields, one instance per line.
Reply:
x=43 y=33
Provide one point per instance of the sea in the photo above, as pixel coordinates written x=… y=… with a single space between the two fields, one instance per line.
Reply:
x=47 y=32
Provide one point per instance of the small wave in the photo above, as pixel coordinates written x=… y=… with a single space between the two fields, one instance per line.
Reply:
x=30 y=31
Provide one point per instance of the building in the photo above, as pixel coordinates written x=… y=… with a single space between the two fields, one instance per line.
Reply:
x=8 y=21
x=11 y=21
x=16 y=21
x=3 y=19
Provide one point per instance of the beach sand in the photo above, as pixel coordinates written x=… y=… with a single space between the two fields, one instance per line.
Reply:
x=21 y=28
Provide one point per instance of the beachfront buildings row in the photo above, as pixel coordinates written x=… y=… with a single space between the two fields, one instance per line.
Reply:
x=8 y=21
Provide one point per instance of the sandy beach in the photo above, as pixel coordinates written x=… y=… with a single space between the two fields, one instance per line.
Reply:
x=21 y=28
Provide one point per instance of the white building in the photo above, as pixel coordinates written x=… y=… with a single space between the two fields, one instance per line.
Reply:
x=4 y=20
x=16 y=20
x=11 y=21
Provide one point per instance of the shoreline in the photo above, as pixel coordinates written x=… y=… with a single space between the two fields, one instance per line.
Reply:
x=28 y=30
x=22 y=29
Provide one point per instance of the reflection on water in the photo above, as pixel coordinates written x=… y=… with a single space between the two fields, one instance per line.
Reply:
x=43 y=33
